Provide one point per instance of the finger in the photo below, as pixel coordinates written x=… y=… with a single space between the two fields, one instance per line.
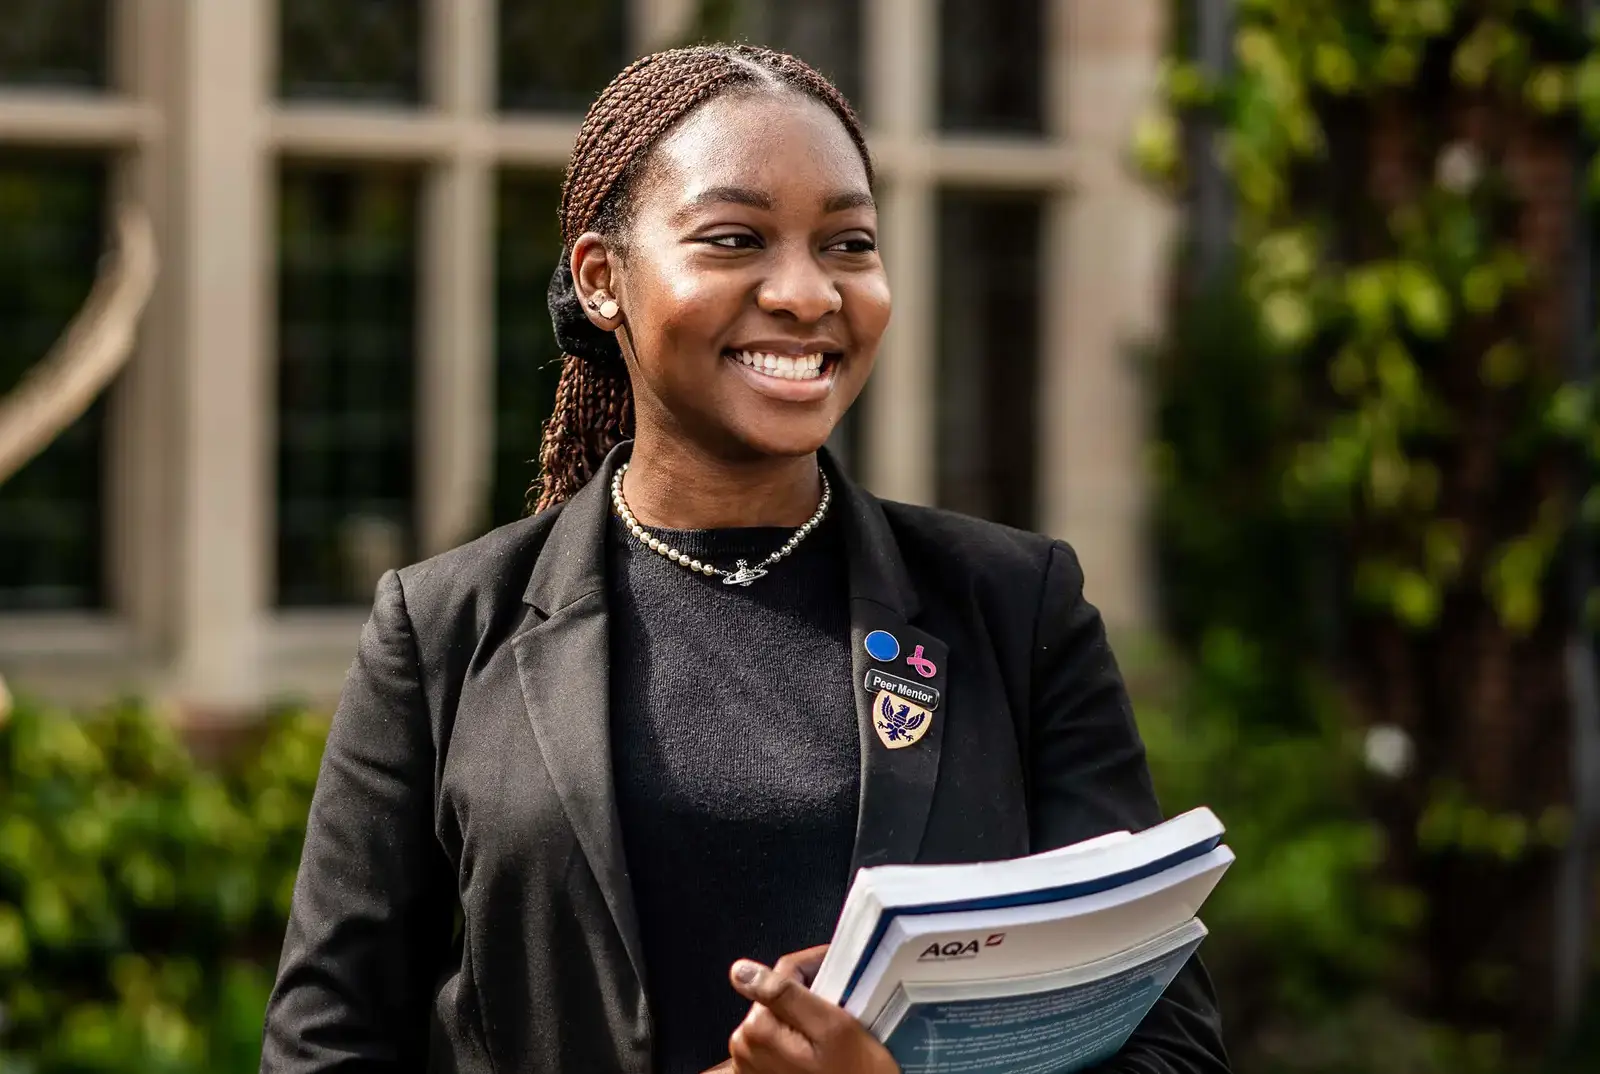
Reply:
x=793 y=1003
x=802 y=965
x=764 y=1044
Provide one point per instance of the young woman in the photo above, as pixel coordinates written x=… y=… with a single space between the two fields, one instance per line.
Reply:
x=599 y=780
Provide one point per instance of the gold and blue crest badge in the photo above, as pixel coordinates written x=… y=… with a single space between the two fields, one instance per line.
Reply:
x=899 y=722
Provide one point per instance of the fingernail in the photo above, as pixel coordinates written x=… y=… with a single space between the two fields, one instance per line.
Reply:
x=745 y=972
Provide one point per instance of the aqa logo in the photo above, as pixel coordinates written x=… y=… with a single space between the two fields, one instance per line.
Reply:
x=939 y=952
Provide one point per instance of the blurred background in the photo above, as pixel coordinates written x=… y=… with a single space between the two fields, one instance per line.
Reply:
x=1281 y=311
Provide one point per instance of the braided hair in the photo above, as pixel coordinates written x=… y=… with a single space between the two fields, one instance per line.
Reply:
x=594 y=400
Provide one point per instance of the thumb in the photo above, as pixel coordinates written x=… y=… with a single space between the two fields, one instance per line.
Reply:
x=783 y=995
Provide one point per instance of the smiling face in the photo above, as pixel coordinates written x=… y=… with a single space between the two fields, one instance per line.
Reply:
x=748 y=276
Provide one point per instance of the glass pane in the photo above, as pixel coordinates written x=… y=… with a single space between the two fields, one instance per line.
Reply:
x=346 y=381
x=528 y=361
x=55 y=43
x=556 y=55
x=991 y=75
x=989 y=298
x=51 y=512
x=350 y=50
x=824 y=33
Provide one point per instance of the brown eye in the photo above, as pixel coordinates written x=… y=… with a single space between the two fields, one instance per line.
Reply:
x=855 y=246
x=738 y=241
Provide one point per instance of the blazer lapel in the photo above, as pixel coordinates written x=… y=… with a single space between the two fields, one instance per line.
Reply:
x=563 y=662
x=564 y=665
x=897 y=779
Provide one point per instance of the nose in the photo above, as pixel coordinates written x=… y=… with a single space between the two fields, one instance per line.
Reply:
x=799 y=286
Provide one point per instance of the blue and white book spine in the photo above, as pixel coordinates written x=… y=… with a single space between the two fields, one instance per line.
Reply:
x=1055 y=1023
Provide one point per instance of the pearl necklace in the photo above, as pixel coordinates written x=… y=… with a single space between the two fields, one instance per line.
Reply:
x=743 y=574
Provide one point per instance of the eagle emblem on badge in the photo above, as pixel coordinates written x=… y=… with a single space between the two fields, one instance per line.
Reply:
x=899 y=722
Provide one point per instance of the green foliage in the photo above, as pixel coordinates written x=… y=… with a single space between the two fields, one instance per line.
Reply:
x=142 y=896
x=1301 y=911
x=1366 y=316
x=1367 y=469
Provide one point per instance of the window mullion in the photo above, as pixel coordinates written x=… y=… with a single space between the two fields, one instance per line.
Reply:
x=899 y=407
x=223 y=293
x=456 y=382
x=143 y=533
x=1104 y=261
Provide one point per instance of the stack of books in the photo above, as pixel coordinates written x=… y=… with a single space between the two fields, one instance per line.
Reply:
x=1044 y=963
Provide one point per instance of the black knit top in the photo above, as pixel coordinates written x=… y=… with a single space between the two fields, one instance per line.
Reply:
x=737 y=765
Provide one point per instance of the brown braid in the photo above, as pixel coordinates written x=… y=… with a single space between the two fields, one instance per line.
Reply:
x=594 y=402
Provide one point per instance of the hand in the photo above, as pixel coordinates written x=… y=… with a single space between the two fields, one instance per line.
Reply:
x=792 y=1030
x=802 y=965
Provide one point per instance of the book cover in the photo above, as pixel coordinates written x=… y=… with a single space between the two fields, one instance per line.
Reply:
x=882 y=894
x=1053 y=1023
x=1022 y=941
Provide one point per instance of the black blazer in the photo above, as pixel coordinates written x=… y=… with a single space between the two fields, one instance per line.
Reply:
x=463 y=902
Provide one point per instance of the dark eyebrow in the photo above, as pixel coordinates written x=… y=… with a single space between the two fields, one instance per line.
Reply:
x=756 y=199
x=736 y=195
x=850 y=199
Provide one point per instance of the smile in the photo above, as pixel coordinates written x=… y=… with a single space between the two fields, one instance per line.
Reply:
x=782 y=366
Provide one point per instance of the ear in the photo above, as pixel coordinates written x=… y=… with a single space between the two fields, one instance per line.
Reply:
x=593 y=270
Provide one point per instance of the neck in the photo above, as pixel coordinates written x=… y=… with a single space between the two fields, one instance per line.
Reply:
x=676 y=486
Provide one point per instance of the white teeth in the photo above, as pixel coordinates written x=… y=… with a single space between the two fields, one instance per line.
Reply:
x=783 y=366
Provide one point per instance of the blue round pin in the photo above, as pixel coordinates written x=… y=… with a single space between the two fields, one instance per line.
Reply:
x=882 y=645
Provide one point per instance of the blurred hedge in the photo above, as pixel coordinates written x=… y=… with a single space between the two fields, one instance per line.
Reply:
x=142 y=895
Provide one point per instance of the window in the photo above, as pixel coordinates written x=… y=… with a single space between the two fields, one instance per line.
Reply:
x=52 y=213
x=346 y=387
x=527 y=359
x=824 y=33
x=991 y=55
x=556 y=55
x=369 y=467
x=989 y=342
x=350 y=50
x=60 y=44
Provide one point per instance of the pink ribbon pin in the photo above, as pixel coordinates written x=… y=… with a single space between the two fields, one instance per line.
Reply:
x=922 y=664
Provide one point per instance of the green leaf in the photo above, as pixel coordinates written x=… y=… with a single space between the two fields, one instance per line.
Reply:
x=1335 y=67
x=1367 y=291
x=1475 y=55
x=1426 y=305
x=1398 y=375
x=1397 y=63
x=1415 y=600
x=1570 y=410
x=1481 y=289
x=1348 y=372
x=13 y=939
x=1445 y=548
x=1504 y=364
x=1157 y=144
x=1185 y=84
x=1547 y=89
x=1586 y=87
x=1287 y=318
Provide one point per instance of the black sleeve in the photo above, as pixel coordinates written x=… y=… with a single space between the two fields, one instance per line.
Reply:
x=1087 y=776
x=372 y=912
